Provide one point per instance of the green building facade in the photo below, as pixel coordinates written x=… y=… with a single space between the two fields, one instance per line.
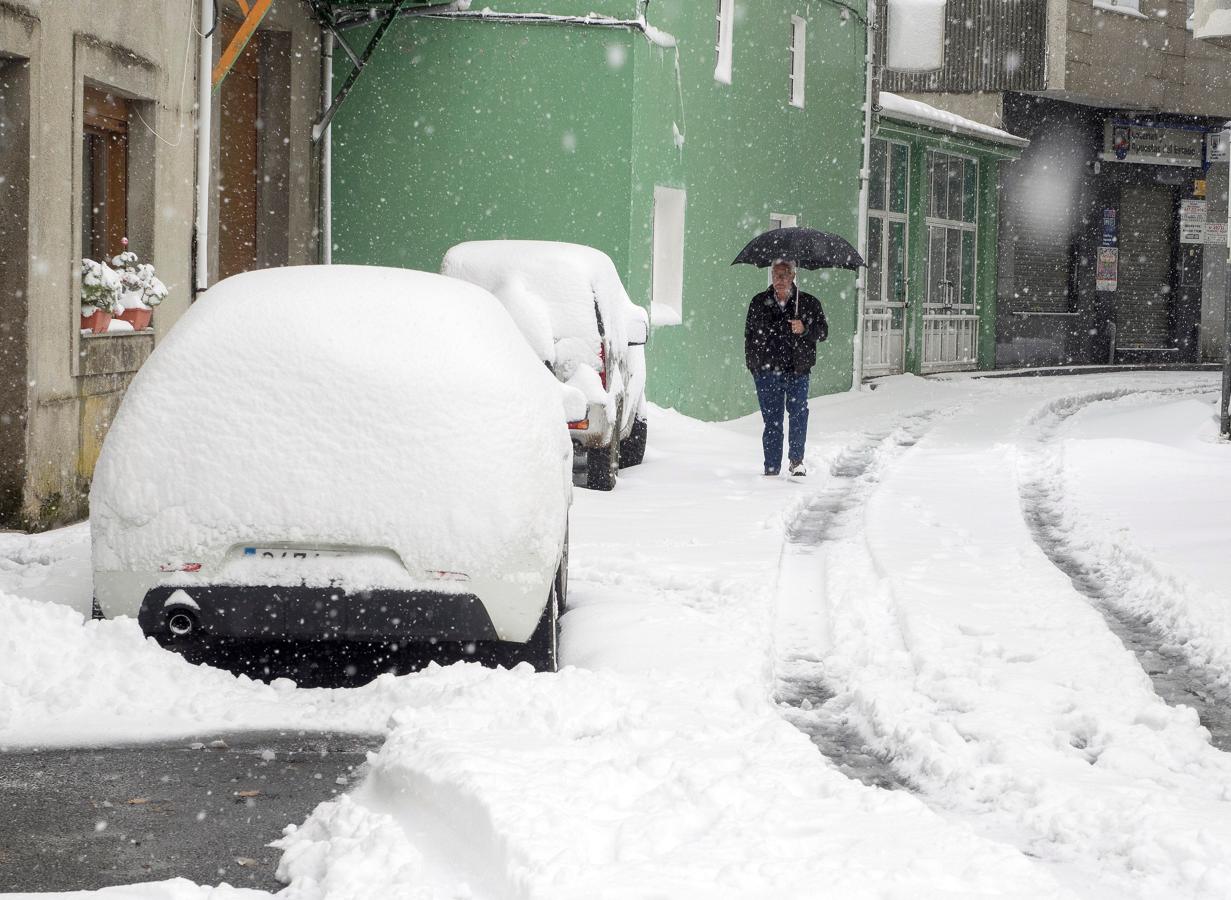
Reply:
x=668 y=134
x=667 y=147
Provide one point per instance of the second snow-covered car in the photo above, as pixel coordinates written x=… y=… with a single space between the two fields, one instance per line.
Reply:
x=570 y=304
x=295 y=462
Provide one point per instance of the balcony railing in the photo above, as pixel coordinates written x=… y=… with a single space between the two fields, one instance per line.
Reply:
x=990 y=45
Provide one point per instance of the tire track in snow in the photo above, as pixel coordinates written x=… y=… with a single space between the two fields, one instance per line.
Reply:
x=802 y=692
x=1177 y=678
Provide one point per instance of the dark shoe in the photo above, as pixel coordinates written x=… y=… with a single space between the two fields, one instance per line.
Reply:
x=771 y=473
x=798 y=469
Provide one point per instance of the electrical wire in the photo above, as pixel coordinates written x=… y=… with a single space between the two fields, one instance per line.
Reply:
x=183 y=82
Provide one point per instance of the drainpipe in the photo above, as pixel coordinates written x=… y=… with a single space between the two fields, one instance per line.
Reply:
x=204 y=99
x=865 y=172
x=326 y=198
x=1224 y=419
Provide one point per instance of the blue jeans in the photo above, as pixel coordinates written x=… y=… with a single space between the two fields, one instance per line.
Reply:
x=777 y=391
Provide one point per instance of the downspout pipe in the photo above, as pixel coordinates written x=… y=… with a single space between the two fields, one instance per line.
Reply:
x=1224 y=406
x=865 y=174
x=326 y=198
x=205 y=64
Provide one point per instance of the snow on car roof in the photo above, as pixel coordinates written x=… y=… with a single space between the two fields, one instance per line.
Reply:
x=562 y=275
x=341 y=404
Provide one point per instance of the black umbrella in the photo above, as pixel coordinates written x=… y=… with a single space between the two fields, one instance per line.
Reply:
x=806 y=247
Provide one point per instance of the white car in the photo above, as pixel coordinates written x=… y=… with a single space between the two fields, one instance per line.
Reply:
x=568 y=301
x=297 y=460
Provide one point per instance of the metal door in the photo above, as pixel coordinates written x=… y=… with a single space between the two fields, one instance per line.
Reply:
x=950 y=310
x=884 y=319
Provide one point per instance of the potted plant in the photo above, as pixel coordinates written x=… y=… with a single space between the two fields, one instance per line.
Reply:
x=141 y=289
x=100 y=295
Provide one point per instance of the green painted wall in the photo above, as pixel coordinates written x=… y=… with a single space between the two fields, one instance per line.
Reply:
x=470 y=130
x=748 y=153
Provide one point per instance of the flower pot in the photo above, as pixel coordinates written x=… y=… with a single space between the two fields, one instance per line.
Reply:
x=96 y=321
x=137 y=317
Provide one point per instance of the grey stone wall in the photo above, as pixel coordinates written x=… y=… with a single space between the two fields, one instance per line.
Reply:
x=60 y=391
x=1214 y=275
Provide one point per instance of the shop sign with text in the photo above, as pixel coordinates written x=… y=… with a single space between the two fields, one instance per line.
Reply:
x=1130 y=142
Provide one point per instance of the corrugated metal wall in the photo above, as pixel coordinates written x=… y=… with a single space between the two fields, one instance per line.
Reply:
x=990 y=45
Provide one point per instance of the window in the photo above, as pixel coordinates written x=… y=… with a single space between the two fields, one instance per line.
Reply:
x=953 y=192
x=723 y=49
x=783 y=220
x=667 y=301
x=889 y=171
x=104 y=173
x=799 y=39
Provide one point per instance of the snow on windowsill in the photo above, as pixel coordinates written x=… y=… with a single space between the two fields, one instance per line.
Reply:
x=661 y=314
x=1108 y=6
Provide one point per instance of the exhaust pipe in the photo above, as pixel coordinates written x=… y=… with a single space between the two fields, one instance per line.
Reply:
x=181 y=622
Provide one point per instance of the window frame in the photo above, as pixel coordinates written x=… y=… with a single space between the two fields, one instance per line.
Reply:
x=964 y=226
x=667 y=257
x=724 y=47
x=886 y=217
x=799 y=65
x=105 y=161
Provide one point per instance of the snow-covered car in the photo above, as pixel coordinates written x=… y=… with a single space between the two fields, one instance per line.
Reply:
x=298 y=460
x=570 y=304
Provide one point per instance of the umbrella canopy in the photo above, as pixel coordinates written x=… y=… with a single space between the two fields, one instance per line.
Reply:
x=806 y=247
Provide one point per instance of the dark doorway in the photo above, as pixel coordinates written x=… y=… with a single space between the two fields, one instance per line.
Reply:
x=1143 y=296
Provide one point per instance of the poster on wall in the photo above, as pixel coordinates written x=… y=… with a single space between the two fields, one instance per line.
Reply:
x=1192 y=221
x=1110 y=235
x=1107 y=274
x=1215 y=234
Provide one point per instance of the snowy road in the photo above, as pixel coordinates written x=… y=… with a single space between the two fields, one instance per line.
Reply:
x=907 y=592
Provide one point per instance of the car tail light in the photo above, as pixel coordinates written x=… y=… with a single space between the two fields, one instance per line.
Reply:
x=579 y=425
x=182 y=567
x=602 y=364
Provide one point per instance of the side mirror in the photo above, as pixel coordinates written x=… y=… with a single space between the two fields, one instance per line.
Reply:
x=637 y=324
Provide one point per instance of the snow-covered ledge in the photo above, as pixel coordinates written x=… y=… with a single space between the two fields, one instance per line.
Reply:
x=902 y=109
x=1112 y=6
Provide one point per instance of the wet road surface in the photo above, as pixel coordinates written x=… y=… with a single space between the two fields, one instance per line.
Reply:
x=203 y=808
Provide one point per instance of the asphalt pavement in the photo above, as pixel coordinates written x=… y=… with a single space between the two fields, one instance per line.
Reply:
x=203 y=808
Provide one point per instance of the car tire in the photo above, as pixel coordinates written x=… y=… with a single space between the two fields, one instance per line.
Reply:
x=603 y=463
x=632 y=448
x=543 y=649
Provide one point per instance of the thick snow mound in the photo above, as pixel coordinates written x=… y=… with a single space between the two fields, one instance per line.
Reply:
x=341 y=404
x=587 y=784
x=545 y=279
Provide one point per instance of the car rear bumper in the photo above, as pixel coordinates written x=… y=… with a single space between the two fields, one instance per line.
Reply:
x=307 y=613
x=598 y=431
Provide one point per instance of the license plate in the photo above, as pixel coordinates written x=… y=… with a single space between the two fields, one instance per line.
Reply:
x=291 y=553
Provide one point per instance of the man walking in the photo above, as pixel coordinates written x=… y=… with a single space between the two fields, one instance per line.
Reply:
x=780 y=337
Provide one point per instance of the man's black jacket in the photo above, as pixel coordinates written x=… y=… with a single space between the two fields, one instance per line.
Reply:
x=769 y=345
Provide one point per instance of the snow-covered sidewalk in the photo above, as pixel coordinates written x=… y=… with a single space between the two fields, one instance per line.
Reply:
x=659 y=763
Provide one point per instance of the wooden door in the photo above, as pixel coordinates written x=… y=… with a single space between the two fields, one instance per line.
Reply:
x=238 y=157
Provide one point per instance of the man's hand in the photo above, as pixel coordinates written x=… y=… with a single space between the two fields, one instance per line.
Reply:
x=797 y=326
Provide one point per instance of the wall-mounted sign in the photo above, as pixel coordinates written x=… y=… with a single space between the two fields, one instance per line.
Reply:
x=1218 y=146
x=1107 y=273
x=1110 y=233
x=1215 y=234
x=1192 y=221
x=1130 y=142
